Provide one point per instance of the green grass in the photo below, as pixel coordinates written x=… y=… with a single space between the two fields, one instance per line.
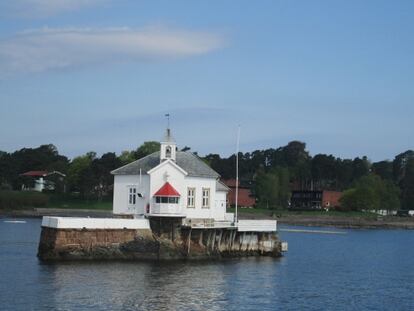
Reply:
x=78 y=204
x=70 y=201
x=278 y=212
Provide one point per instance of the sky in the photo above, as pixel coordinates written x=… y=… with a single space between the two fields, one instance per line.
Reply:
x=100 y=75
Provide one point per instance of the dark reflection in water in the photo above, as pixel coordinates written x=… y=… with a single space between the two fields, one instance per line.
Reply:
x=362 y=270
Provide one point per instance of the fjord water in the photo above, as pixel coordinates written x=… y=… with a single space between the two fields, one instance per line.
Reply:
x=359 y=270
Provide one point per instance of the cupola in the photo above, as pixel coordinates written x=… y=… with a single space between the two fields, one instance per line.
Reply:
x=168 y=147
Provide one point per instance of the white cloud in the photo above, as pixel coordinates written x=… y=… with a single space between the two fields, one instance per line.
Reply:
x=53 y=49
x=43 y=8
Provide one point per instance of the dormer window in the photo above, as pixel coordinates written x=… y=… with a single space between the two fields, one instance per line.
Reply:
x=168 y=152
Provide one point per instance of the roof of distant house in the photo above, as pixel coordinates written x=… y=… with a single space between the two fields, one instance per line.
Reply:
x=231 y=183
x=188 y=161
x=41 y=173
x=35 y=173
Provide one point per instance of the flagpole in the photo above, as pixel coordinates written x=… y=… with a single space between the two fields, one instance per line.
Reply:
x=236 y=218
x=167 y=115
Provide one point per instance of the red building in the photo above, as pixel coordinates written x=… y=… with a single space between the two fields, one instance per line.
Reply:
x=330 y=199
x=315 y=200
x=245 y=198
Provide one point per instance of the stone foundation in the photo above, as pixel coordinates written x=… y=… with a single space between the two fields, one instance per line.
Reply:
x=166 y=241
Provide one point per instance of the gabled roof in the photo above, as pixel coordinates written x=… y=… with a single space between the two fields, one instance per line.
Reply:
x=220 y=186
x=167 y=191
x=166 y=162
x=193 y=165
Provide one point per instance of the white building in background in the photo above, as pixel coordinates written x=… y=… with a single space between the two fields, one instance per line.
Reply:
x=39 y=180
x=170 y=183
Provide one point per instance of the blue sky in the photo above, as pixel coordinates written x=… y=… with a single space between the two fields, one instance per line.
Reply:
x=100 y=75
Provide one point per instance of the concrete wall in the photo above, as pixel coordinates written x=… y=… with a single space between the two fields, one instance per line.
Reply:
x=246 y=225
x=94 y=223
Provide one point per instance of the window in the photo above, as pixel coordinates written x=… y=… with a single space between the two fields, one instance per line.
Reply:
x=171 y=200
x=191 y=197
x=168 y=152
x=132 y=195
x=206 y=198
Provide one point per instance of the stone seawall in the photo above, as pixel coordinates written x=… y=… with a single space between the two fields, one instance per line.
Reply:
x=146 y=244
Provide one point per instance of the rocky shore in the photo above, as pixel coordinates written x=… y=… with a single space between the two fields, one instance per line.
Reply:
x=387 y=222
x=171 y=243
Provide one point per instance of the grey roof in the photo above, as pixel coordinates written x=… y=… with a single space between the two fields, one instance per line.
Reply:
x=189 y=162
x=221 y=187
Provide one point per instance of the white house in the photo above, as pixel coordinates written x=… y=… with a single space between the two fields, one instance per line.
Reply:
x=170 y=183
x=39 y=181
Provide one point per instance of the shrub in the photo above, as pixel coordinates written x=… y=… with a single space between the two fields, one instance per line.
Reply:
x=22 y=199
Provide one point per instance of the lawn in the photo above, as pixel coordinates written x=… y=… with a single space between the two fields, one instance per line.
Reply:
x=278 y=212
x=70 y=202
x=81 y=204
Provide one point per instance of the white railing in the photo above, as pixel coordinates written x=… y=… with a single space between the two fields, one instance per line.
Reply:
x=94 y=223
x=257 y=225
x=229 y=217
x=165 y=208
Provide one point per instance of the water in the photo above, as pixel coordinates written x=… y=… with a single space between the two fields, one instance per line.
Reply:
x=361 y=270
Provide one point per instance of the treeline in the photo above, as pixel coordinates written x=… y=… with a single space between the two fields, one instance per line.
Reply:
x=87 y=176
x=272 y=174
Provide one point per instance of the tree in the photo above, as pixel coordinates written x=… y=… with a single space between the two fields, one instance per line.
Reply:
x=272 y=188
x=323 y=168
x=360 y=167
x=407 y=186
x=127 y=157
x=79 y=174
x=370 y=192
x=147 y=148
x=399 y=164
x=383 y=169
x=101 y=169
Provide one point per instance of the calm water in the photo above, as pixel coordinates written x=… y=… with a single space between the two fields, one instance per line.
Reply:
x=362 y=270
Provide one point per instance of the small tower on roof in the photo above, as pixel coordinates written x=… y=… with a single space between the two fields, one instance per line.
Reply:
x=168 y=145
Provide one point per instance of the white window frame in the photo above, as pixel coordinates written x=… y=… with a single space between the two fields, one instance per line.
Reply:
x=132 y=195
x=191 y=197
x=205 y=202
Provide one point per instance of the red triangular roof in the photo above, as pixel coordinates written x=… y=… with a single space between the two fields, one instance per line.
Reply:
x=167 y=191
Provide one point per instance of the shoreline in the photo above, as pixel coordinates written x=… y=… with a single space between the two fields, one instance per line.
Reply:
x=345 y=222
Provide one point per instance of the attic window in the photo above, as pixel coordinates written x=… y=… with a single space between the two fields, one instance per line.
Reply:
x=168 y=152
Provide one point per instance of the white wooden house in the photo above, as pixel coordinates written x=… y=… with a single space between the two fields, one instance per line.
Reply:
x=170 y=183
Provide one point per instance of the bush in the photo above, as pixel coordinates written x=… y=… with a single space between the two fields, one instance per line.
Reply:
x=22 y=199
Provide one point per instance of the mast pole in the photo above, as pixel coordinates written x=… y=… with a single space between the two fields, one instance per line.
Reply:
x=236 y=218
